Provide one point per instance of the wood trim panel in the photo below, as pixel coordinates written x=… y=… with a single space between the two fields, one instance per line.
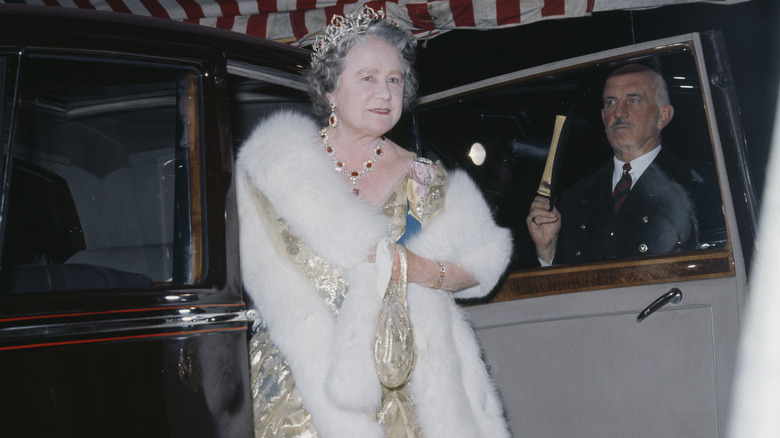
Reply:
x=193 y=143
x=557 y=280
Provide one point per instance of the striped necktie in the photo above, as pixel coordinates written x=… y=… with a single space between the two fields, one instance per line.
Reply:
x=622 y=188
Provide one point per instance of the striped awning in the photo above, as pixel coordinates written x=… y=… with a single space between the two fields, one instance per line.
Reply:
x=294 y=21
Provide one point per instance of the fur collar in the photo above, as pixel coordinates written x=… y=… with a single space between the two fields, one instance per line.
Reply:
x=305 y=190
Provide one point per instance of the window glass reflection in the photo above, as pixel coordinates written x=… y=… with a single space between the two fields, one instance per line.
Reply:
x=97 y=165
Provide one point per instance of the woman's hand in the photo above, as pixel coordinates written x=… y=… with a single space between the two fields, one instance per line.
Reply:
x=426 y=272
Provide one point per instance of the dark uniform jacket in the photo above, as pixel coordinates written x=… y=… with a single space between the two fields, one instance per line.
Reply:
x=657 y=217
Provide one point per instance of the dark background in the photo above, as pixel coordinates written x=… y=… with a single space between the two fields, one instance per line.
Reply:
x=751 y=31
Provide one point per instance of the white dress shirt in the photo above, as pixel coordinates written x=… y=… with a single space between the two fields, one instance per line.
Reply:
x=638 y=167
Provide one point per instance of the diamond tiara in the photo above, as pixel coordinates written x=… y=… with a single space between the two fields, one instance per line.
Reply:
x=342 y=26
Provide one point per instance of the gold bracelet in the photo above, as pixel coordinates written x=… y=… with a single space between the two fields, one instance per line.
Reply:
x=442 y=271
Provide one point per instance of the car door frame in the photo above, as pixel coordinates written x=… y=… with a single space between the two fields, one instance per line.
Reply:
x=531 y=301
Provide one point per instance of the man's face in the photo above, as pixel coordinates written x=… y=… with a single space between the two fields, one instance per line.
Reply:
x=632 y=117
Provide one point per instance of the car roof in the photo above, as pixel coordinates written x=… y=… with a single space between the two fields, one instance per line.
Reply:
x=30 y=26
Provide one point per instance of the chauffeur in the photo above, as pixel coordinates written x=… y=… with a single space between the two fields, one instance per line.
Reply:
x=636 y=204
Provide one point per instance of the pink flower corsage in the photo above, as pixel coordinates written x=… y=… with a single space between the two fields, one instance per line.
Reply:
x=426 y=189
x=422 y=172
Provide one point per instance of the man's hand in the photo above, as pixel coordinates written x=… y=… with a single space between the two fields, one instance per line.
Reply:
x=544 y=227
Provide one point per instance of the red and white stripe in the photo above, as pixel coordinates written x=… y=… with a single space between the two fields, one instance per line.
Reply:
x=293 y=20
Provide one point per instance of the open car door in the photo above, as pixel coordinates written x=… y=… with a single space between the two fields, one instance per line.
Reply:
x=566 y=344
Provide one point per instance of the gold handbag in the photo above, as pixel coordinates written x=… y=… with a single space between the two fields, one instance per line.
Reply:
x=394 y=352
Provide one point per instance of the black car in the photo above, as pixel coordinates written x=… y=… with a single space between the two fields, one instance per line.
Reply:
x=121 y=309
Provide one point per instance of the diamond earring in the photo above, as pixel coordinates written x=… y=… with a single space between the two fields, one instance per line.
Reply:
x=333 y=121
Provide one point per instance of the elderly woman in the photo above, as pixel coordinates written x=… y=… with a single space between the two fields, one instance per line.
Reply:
x=354 y=250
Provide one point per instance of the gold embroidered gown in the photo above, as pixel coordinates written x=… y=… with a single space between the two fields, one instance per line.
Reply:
x=277 y=405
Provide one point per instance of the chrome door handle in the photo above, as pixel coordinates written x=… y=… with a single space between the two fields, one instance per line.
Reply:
x=674 y=296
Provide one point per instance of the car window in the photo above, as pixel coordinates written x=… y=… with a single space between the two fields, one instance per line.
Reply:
x=102 y=174
x=514 y=123
x=254 y=98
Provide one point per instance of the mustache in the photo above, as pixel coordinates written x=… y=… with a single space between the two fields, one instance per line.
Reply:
x=621 y=123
